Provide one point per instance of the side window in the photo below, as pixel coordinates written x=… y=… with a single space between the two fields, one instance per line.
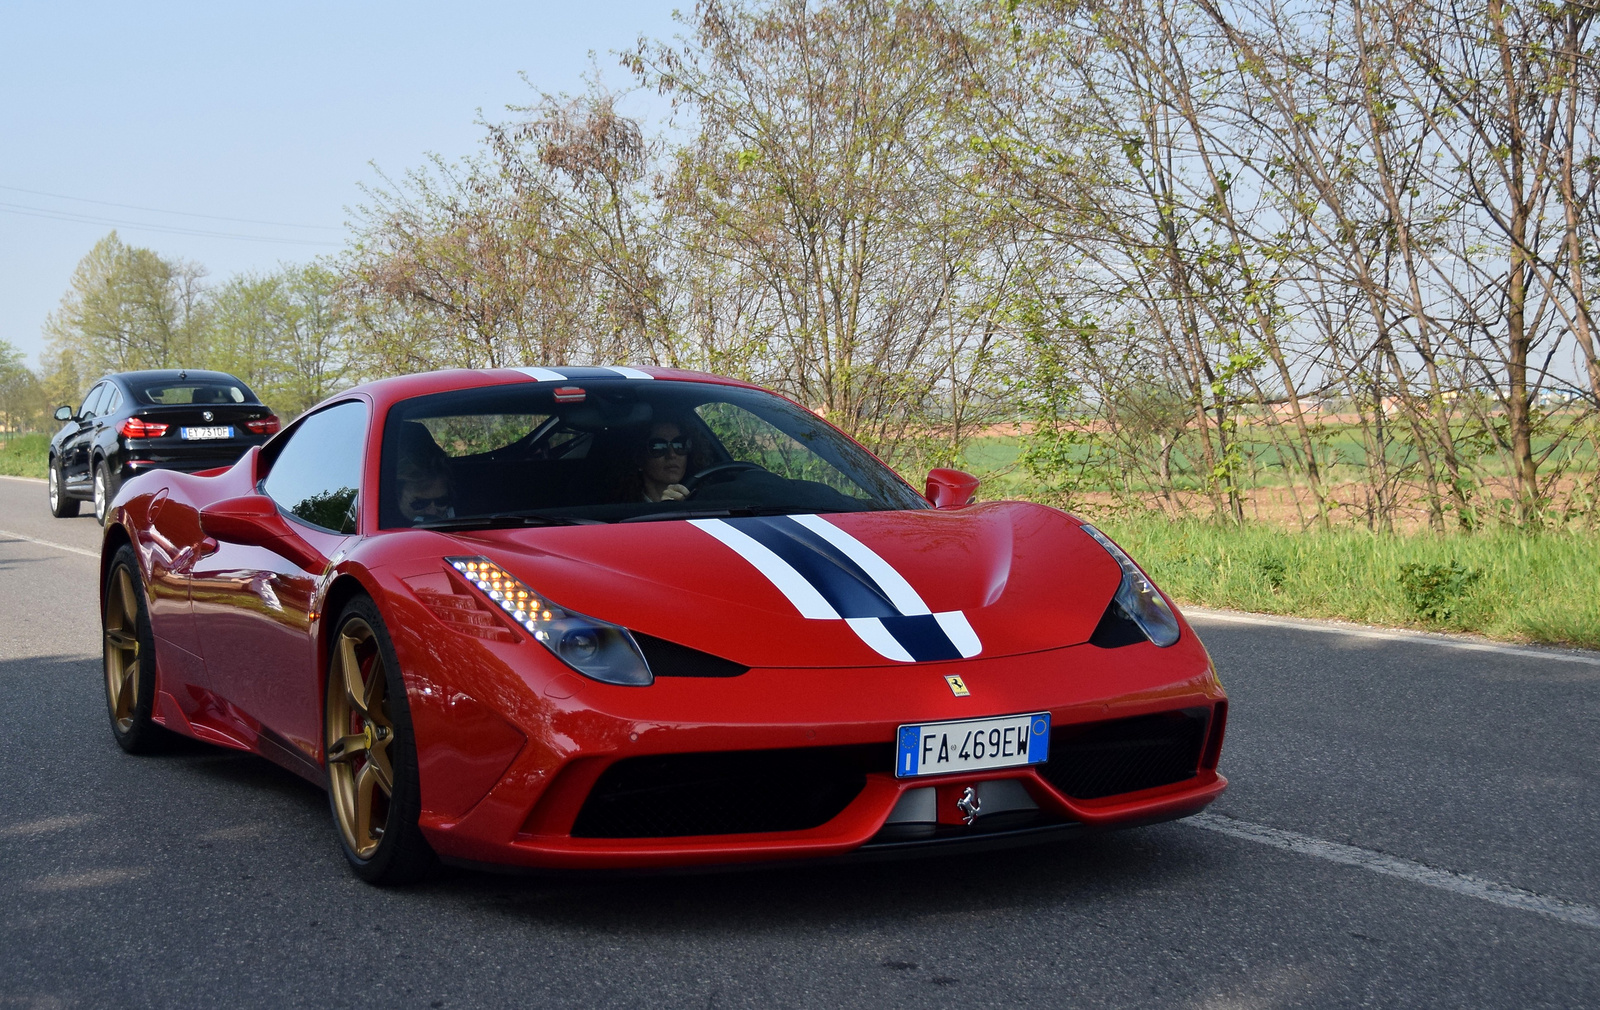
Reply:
x=91 y=403
x=113 y=401
x=317 y=474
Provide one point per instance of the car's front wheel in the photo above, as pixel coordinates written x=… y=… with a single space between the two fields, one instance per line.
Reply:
x=371 y=757
x=61 y=506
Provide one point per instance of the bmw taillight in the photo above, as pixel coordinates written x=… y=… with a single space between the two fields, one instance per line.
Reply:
x=138 y=427
x=265 y=426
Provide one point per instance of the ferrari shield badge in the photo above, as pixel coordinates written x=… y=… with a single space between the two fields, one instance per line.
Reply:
x=958 y=687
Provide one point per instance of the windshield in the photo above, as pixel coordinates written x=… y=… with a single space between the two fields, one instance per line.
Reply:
x=619 y=450
x=196 y=392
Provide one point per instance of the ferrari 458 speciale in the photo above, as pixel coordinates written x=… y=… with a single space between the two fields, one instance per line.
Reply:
x=629 y=618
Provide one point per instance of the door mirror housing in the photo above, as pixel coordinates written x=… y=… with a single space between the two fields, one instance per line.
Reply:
x=63 y=413
x=951 y=489
x=254 y=520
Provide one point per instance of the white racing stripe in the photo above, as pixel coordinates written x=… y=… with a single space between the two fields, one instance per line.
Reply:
x=1392 y=866
x=959 y=630
x=877 y=637
x=49 y=543
x=789 y=582
x=542 y=374
x=629 y=373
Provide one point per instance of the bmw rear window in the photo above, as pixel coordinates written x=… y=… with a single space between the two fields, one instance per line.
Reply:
x=162 y=393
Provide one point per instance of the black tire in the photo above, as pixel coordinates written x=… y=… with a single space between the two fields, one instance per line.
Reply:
x=129 y=658
x=104 y=491
x=402 y=855
x=61 y=505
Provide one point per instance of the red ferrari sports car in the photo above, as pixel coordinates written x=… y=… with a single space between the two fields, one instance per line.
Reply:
x=618 y=617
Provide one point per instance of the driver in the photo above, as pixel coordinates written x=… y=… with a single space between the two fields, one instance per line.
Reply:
x=665 y=461
x=661 y=461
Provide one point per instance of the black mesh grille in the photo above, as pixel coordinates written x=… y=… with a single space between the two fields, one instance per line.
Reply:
x=1096 y=759
x=727 y=792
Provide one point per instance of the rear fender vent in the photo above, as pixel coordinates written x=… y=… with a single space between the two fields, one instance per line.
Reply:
x=727 y=792
x=1093 y=760
x=669 y=659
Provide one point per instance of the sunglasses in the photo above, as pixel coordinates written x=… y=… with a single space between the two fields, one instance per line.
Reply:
x=657 y=447
x=418 y=504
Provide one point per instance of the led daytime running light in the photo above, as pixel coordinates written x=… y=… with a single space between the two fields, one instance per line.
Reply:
x=1138 y=597
x=594 y=648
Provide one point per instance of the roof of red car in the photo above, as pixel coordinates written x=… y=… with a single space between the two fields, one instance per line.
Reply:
x=403 y=387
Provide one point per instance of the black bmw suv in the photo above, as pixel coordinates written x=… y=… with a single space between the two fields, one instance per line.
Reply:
x=133 y=422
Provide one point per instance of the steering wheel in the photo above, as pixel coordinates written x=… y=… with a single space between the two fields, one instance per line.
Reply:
x=695 y=480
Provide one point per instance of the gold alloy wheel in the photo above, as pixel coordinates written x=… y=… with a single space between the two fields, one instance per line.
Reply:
x=122 y=649
x=358 y=734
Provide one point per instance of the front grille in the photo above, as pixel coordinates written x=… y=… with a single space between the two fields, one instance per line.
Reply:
x=1091 y=760
x=727 y=792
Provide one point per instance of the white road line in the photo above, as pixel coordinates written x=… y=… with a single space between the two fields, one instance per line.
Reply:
x=1405 y=869
x=30 y=480
x=1305 y=624
x=50 y=543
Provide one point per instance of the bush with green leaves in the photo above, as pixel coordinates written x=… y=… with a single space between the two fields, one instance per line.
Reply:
x=1436 y=592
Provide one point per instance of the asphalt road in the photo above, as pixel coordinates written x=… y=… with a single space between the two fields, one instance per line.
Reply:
x=1410 y=823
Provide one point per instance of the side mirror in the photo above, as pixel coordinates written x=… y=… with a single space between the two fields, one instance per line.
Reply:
x=63 y=413
x=950 y=489
x=253 y=520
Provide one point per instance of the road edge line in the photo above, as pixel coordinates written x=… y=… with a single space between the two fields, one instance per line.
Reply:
x=1391 y=634
x=1464 y=884
x=50 y=543
x=30 y=480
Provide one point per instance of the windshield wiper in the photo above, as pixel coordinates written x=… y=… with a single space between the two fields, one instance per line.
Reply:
x=501 y=520
x=722 y=513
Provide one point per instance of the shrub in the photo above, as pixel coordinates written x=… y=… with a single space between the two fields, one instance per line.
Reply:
x=1435 y=592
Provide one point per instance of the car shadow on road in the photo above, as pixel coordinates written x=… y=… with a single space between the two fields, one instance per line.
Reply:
x=1081 y=872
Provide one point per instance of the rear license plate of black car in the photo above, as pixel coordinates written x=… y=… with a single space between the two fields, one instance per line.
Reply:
x=216 y=431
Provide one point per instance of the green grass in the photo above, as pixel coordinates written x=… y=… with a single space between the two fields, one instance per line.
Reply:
x=23 y=455
x=1506 y=585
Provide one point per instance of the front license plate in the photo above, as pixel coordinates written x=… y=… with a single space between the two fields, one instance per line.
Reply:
x=220 y=431
x=940 y=748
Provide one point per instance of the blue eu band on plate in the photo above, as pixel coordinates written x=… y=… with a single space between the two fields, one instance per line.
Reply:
x=941 y=748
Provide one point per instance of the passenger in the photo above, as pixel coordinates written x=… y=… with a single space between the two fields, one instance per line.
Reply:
x=661 y=463
x=425 y=490
x=422 y=473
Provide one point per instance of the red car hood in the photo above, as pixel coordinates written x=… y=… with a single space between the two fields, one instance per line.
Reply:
x=854 y=589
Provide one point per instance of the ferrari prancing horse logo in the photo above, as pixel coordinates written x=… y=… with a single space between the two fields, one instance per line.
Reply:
x=958 y=687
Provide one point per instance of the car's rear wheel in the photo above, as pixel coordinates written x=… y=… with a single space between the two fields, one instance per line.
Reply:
x=102 y=491
x=61 y=506
x=130 y=658
x=372 y=761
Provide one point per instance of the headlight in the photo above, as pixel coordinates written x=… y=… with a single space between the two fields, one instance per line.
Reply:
x=594 y=648
x=1138 y=596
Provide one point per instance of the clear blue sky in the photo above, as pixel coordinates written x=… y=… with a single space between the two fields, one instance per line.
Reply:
x=270 y=112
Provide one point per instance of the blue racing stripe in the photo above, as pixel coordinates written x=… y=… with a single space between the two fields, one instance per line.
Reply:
x=921 y=636
x=840 y=581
